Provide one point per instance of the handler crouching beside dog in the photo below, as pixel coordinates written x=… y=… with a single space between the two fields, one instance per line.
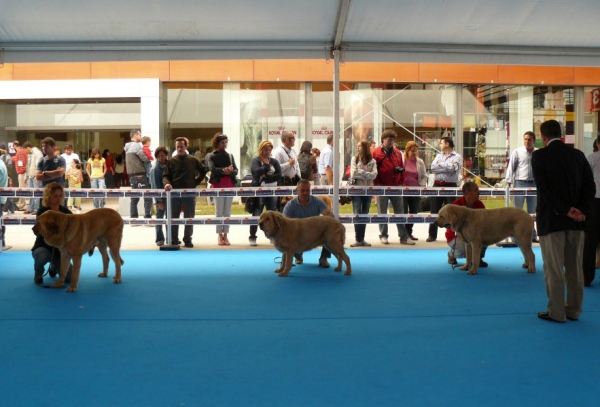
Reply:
x=42 y=252
x=304 y=206
x=470 y=199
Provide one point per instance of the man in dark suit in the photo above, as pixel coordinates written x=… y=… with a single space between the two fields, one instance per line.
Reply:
x=565 y=191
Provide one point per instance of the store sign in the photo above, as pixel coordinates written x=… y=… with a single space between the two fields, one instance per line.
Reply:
x=280 y=130
x=595 y=100
x=323 y=131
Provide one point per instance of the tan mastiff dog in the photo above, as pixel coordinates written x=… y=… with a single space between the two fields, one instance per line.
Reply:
x=485 y=227
x=300 y=235
x=75 y=235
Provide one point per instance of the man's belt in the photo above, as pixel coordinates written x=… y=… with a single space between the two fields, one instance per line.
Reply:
x=444 y=183
x=136 y=173
x=526 y=180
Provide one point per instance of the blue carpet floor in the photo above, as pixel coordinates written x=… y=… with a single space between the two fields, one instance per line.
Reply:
x=215 y=328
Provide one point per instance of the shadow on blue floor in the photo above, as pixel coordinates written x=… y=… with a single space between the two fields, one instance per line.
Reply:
x=218 y=328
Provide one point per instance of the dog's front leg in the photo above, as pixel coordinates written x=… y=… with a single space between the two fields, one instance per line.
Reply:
x=65 y=261
x=75 y=274
x=286 y=263
x=468 y=260
x=282 y=265
x=474 y=256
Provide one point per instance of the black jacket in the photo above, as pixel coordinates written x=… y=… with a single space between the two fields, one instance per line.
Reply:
x=258 y=170
x=564 y=179
x=39 y=240
x=218 y=161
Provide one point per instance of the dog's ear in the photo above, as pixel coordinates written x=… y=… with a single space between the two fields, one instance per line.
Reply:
x=277 y=220
x=52 y=228
x=458 y=215
x=70 y=225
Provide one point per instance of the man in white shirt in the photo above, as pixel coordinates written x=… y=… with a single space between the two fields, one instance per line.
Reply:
x=68 y=155
x=447 y=167
x=326 y=163
x=288 y=159
x=520 y=175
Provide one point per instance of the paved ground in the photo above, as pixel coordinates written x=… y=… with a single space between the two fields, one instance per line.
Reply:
x=142 y=238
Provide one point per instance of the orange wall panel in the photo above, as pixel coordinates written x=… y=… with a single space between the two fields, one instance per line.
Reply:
x=587 y=76
x=318 y=70
x=212 y=71
x=126 y=70
x=457 y=73
x=379 y=72
x=55 y=70
x=6 y=72
x=309 y=70
x=535 y=75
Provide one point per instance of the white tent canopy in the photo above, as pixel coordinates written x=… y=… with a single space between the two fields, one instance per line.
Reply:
x=545 y=32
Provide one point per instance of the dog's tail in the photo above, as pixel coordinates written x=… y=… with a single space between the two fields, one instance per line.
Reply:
x=91 y=251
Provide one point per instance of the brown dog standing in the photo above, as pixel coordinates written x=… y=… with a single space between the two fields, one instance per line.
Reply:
x=485 y=227
x=75 y=235
x=300 y=235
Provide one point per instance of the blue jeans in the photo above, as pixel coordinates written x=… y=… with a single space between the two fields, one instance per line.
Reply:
x=531 y=200
x=398 y=207
x=9 y=206
x=98 y=183
x=269 y=202
x=436 y=204
x=160 y=214
x=34 y=203
x=43 y=256
x=140 y=182
x=411 y=206
x=189 y=212
x=360 y=206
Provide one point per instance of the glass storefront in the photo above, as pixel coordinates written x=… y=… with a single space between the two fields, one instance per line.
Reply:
x=495 y=117
x=84 y=124
x=590 y=118
x=487 y=122
x=247 y=112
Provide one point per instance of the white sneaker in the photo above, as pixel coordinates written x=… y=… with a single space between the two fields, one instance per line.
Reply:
x=253 y=241
x=407 y=242
x=384 y=239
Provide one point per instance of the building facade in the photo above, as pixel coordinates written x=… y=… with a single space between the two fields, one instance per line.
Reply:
x=485 y=108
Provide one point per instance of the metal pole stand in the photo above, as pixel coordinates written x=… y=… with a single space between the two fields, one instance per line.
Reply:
x=508 y=242
x=169 y=246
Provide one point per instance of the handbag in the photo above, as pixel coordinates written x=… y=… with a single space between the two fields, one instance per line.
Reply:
x=238 y=183
x=250 y=204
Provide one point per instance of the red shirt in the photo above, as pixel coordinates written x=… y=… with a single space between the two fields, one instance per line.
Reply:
x=450 y=235
x=21 y=160
x=385 y=167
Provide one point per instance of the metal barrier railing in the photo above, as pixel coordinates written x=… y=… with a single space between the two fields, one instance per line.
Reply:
x=258 y=192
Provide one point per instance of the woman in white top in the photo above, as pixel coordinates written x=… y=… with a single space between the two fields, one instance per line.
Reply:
x=414 y=176
x=363 y=171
